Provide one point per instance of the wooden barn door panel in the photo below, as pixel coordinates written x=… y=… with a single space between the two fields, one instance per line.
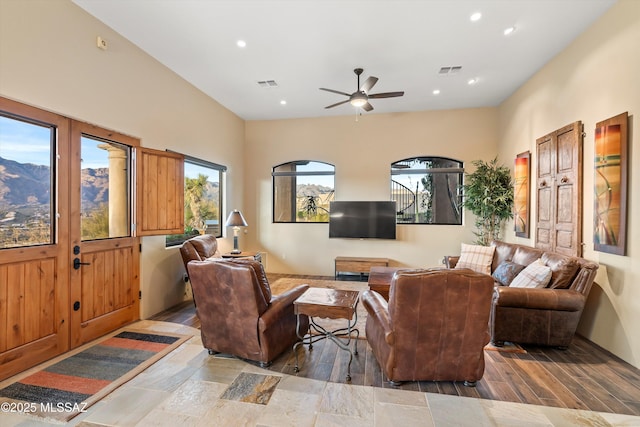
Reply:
x=559 y=183
x=160 y=186
x=546 y=203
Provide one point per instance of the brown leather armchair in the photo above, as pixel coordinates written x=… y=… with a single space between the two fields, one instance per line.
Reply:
x=238 y=314
x=434 y=327
x=199 y=248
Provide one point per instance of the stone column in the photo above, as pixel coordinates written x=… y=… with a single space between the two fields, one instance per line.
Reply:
x=118 y=191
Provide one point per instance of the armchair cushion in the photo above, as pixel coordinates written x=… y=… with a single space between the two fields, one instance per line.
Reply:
x=477 y=258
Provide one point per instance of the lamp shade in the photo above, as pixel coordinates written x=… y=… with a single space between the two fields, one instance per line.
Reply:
x=236 y=219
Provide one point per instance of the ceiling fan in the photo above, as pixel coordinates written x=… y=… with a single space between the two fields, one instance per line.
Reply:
x=361 y=97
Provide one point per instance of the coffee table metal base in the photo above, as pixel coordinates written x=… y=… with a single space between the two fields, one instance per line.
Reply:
x=341 y=337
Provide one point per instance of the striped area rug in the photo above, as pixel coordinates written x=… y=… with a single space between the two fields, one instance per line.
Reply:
x=68 y=387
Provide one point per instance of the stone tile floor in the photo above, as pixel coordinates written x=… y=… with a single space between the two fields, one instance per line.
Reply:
x=190 y=388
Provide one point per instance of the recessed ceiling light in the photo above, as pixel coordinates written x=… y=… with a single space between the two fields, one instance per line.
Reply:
x=472 y=81
x=283 y=102
x=241 y=43
x=436 y=92
x=509 y=30
x=475 y=17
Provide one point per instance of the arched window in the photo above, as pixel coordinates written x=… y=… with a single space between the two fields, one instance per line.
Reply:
x=427 y=190
x=302 y=191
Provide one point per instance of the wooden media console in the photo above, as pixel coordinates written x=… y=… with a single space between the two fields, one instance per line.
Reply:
x=360 y=265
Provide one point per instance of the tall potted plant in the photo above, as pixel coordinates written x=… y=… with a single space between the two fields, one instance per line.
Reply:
x=488 y=194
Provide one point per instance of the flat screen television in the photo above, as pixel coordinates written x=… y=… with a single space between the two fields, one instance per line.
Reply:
x=363 y=220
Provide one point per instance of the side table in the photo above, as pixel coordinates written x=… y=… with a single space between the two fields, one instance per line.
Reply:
x=255 y=255
x=333 y=304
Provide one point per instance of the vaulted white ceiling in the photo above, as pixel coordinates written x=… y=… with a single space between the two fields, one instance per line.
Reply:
x=303 y=45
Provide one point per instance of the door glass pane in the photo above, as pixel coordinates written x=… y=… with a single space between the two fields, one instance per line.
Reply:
x=104 y=190
x=25 y=183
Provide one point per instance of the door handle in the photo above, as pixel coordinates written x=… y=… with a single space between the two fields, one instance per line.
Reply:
x=77 y=263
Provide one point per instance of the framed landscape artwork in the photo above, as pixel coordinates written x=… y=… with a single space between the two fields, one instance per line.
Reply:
x=610 y=185
x=521 y=194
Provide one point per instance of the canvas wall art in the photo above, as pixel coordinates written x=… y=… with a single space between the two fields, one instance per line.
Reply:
x=610 y=185
x=521 y=194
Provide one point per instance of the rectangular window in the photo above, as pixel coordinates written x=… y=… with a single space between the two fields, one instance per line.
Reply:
x=203 y=182
x=26 y=183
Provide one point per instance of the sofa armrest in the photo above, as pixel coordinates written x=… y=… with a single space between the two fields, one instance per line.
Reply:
x=280 y=303
x=378 y=312
x=538 y=298
x=450 y=261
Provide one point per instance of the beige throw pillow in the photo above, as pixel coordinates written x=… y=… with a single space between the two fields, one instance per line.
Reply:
x=477 y=258
x=535 y=275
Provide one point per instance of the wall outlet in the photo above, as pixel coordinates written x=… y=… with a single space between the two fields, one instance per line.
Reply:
x=101 y=43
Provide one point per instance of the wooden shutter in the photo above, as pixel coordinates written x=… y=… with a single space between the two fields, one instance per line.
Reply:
x=160 y=192
x=559 y=189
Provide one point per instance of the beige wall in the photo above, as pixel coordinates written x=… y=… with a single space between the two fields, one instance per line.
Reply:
x=362 y=152
x=592 y=80
x=49 y=59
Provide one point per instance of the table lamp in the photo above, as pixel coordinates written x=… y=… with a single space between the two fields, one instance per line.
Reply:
x=236 y=220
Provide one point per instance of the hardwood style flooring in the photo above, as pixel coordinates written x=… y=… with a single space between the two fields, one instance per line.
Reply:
x=585 y=376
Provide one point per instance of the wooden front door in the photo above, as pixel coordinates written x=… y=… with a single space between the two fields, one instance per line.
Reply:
x=104 y=254
x=69 y=255
x=34 y=236
x=559 y=191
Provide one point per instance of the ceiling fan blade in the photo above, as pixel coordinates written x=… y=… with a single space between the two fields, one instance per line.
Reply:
x=368 y=84
x=386 y=95
x=337 y=103
x=367 y=107
x=336 y=91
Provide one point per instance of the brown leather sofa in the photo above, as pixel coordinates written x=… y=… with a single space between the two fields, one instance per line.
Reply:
x=238 y=314
x=542 y=316
x=434 y=327
x=199 y=248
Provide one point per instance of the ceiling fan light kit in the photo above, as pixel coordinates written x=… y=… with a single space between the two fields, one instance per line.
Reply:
x=360 y=98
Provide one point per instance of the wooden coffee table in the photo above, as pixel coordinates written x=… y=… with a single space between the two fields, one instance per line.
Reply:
x=332 y=304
